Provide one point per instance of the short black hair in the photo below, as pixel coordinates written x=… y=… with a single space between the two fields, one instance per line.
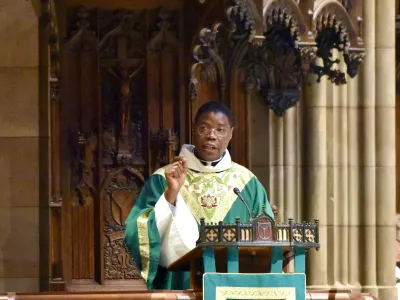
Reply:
x=215 y=107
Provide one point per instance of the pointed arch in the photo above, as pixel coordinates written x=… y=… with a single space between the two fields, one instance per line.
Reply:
x=340 y=11
x=292 y=6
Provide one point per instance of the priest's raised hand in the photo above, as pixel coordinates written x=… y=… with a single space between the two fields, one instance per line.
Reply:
x=175 y=175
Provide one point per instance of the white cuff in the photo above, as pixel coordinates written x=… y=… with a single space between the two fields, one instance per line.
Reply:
x=163 y=216
x=172 y=207
x=186 y=223
x=178 y=230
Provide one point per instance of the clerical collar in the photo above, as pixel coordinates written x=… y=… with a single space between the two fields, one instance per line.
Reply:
x=206 y=162
x=195 y=164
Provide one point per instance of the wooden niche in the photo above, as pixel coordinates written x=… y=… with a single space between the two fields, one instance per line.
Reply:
x=120 y=121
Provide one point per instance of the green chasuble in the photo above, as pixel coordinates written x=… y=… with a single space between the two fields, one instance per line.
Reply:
x=208 y=195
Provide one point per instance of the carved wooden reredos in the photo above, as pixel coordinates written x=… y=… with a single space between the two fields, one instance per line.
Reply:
x=124 y=81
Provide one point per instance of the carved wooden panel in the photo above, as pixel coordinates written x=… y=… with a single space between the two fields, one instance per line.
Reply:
x=79 y=144
x=162 y=70
x=119 y=193
x=120 y=122
x=122 y=58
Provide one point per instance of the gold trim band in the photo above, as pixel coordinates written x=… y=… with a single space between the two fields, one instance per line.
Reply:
x=144 y=242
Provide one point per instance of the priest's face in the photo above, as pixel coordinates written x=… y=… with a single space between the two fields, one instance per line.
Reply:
x=213 y=133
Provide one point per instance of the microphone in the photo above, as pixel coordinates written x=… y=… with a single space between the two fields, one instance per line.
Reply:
x=237 y=192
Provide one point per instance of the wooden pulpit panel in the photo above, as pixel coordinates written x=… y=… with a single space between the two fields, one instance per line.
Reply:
x=119 y=123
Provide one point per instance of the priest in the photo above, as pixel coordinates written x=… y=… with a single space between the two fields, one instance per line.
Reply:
x=199 y=183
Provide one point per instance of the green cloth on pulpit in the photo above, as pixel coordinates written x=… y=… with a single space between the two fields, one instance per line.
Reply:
x=219 y=286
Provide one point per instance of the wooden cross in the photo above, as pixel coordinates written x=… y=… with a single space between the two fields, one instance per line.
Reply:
x=124 y=69
x=122 y=57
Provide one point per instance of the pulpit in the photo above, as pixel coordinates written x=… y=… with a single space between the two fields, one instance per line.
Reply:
x=260 y=257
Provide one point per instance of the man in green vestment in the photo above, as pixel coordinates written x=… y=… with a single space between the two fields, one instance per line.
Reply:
x=164 y=223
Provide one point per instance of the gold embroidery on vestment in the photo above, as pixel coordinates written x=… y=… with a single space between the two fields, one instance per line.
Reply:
x=144 y=242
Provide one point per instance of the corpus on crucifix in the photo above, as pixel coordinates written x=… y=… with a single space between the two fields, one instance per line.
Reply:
x=125 y=76
x=125 y=69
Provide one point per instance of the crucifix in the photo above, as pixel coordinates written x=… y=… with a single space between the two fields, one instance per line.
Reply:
x=125 y=69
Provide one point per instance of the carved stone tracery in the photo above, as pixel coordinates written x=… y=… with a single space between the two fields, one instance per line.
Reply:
x=283 y=58
x=241 y=21
x=334 y=30
x=278 y=63
x=332 y=34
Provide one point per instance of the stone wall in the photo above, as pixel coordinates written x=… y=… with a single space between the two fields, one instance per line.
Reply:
x=332 y=157
x=19 y=147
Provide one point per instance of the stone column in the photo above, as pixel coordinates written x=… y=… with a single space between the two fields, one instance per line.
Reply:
x=354 y=148
x=367 y=247
x=290 y=164
x=341 y=167
x=337 y=186
x=315 y=176
x=333 y=178
x=276 y=155
x=385 y=96
x=276 y=162
x=261 y=146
